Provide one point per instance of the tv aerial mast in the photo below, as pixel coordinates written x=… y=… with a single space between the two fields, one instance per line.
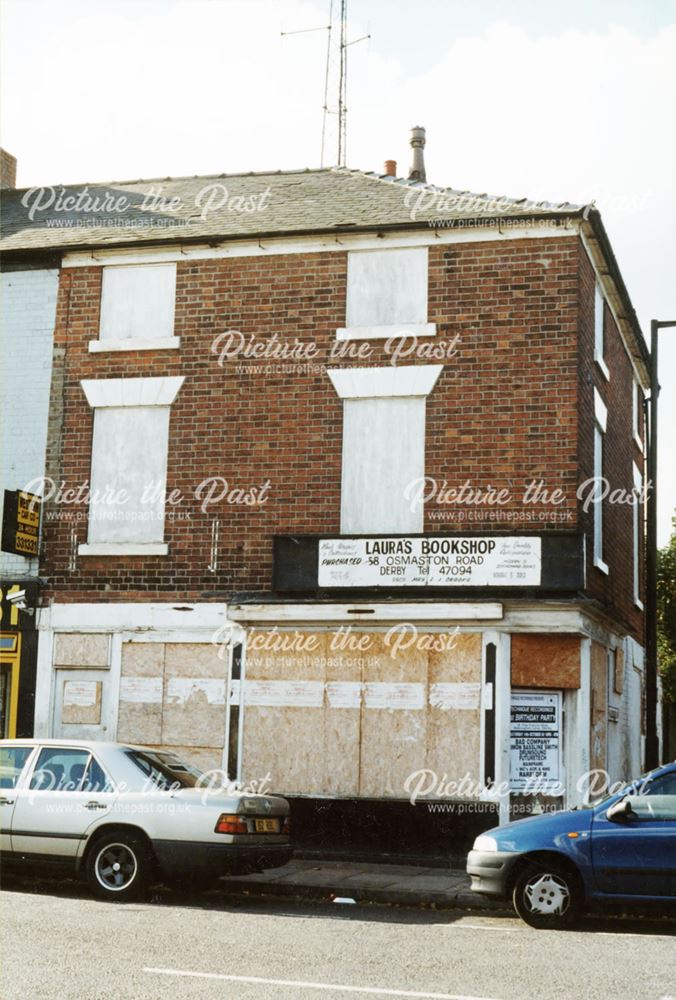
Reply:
x=334 y=107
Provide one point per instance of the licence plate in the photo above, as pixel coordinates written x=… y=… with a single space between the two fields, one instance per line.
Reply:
x=266 y=825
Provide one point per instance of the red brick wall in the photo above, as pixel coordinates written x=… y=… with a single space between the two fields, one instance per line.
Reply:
x=616 y=588
x=504 y=412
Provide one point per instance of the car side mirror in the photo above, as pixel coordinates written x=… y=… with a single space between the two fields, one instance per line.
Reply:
x=620 y=812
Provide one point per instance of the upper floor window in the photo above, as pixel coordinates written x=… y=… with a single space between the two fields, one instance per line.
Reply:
x=381 y=467
x=637 y=413
x=129 y=464
x=137 y=308
x=386 y=294
x=599 y=334
x=600 y=425
x=637 y=533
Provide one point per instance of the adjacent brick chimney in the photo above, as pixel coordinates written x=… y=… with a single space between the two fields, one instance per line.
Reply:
x=390 y=168
x=7 y=169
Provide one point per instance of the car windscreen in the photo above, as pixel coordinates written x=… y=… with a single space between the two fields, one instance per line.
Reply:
x=640 y=786
x=165 y=771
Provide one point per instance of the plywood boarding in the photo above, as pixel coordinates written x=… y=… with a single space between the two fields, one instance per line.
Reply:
x=393 y=719
x=141 y=693
x=370 y=718
x=546 y=661
x=193 y=709
x=453 y=745
x=81 y=704
x=80 y=650
x=599 y=705
x=287 y=741
x=173 y=695
x=618 y=679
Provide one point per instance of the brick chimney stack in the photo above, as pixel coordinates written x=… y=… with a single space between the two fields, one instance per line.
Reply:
x=390 y=168
x=7 y=169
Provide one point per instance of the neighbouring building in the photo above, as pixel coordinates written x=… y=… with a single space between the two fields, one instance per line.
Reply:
x=28 y=290
x=321 y=453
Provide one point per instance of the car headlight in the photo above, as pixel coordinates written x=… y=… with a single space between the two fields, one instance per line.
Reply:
x=484 y=843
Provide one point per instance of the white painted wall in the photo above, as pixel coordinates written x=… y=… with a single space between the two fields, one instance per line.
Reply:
x=576 y=735
x=26 y=337
x=634 y=677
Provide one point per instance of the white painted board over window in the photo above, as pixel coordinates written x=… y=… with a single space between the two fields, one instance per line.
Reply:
x=129 y=472
x=599 y=338
x=137 y=302
x=386 y=287
x=383 y=452
x=636 y=537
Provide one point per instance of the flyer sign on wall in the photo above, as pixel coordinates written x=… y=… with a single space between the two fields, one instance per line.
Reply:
x=535 y=741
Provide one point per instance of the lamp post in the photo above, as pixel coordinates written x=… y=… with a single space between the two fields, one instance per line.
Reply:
x=652 y=751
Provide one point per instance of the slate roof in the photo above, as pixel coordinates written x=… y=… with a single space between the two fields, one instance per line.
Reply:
x=258 y=204
x=267 y=204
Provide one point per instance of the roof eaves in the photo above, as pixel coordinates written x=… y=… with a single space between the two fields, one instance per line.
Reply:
x=595 y=233
x=218 y=239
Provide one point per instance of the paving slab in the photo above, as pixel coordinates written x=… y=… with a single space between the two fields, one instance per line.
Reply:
x=405 y=885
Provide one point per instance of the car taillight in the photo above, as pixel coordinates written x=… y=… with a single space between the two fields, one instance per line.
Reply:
x=230 y=824
x=286 y=825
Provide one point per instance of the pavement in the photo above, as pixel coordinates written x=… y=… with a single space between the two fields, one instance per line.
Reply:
x=404 y=885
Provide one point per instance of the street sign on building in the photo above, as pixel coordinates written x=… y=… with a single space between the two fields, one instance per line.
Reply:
x=21 y=523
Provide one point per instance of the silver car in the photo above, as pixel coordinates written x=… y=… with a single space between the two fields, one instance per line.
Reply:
x=126 y=816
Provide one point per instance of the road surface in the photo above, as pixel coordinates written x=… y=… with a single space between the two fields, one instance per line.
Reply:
x=60 y=944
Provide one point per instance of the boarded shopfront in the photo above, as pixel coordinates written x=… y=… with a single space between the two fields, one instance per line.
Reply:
x=360 y=723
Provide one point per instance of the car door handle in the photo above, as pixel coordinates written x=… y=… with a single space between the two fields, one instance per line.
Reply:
x=94 y=805
x=6 y=802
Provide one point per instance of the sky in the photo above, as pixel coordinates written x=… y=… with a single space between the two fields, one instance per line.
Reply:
x=559 y=100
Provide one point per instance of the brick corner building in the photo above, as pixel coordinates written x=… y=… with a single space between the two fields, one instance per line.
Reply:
x=342 y=482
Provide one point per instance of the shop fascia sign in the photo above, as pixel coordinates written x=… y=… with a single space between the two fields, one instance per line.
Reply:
x=430 y=561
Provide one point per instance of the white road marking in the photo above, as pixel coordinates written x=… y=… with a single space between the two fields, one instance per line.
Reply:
x=626 y=934
x=300 y=984
x=524 y=930
x=482 y=927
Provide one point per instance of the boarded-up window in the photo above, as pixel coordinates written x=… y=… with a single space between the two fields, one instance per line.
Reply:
x=137 y=302
x=129 y=471
x=383 y=446
x=379 y=466
x=129 y=461
x=545 y=661
x=386 y=287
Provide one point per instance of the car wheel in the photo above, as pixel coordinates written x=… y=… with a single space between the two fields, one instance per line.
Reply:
x=118 y=867
x=546 y=895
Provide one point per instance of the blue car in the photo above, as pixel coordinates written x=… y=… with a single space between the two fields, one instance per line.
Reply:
x=619 y=849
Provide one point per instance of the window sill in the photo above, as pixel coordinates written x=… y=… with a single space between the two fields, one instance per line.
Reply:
x=603 y=366
x=123 y=549
x=385 y=332
x=129 y=344
x=600 y=565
